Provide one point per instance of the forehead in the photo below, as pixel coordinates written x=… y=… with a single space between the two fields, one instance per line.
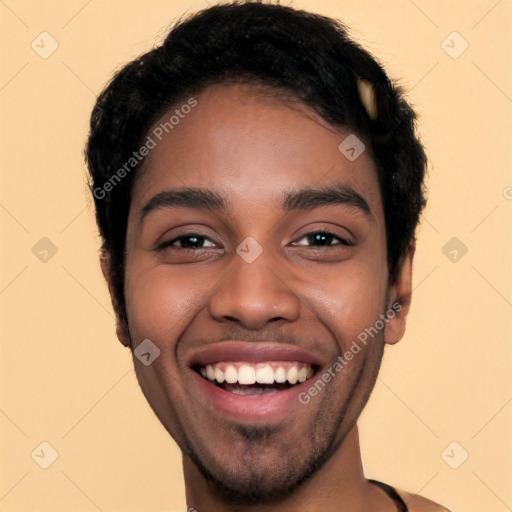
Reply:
x=252 y=148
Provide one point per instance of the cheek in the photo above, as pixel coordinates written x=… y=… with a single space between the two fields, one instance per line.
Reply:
x=348 y=300
x=160 y=303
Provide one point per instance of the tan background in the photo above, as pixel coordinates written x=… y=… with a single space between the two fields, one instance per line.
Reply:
x=66 y=380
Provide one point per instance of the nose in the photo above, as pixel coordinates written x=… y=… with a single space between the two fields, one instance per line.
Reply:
x=254 y=294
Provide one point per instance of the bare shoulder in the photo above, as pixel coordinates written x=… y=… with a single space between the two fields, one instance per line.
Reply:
x=417 y=503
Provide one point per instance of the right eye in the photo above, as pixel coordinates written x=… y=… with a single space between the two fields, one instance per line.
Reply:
x=192 y=241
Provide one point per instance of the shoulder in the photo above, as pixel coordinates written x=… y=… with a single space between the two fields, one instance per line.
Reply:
x=417 y=503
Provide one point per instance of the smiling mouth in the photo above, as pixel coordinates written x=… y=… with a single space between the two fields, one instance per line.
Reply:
x=252 y=379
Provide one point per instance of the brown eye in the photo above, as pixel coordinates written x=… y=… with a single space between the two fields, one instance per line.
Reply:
x=190 y=241
x=324 y=239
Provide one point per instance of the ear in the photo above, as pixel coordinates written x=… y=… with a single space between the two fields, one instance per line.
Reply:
x=121 y=323
x=400 y=295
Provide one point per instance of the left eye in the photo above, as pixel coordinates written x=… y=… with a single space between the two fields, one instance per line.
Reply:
x=319 y=238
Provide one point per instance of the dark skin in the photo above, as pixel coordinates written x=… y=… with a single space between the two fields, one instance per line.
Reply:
x=251 y=149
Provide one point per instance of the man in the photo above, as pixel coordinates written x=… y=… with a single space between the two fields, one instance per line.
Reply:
x=258 y=182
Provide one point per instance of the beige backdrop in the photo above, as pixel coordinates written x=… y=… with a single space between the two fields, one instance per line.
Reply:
x=444 y=392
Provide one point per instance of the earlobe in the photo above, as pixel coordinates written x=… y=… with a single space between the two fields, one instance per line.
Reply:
x=121 y=324
x=401 y=295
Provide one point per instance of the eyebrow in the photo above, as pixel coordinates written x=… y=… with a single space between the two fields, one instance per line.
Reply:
x=306 y=198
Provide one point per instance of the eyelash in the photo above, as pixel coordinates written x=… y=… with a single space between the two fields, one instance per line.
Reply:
x=343 y=242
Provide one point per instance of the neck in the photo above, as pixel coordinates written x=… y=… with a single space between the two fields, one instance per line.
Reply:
x=339 y=486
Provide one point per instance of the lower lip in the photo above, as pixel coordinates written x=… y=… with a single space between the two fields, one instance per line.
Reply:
x=268 y=406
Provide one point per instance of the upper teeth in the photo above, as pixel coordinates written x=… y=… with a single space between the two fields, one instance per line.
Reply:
x=261 y=373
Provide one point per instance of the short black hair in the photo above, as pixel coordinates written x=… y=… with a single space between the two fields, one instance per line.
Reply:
x=309 y=57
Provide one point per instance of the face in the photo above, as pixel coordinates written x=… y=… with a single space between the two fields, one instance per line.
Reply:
x=259 y=273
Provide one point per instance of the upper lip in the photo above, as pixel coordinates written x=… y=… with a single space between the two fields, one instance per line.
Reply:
x=253 y=352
